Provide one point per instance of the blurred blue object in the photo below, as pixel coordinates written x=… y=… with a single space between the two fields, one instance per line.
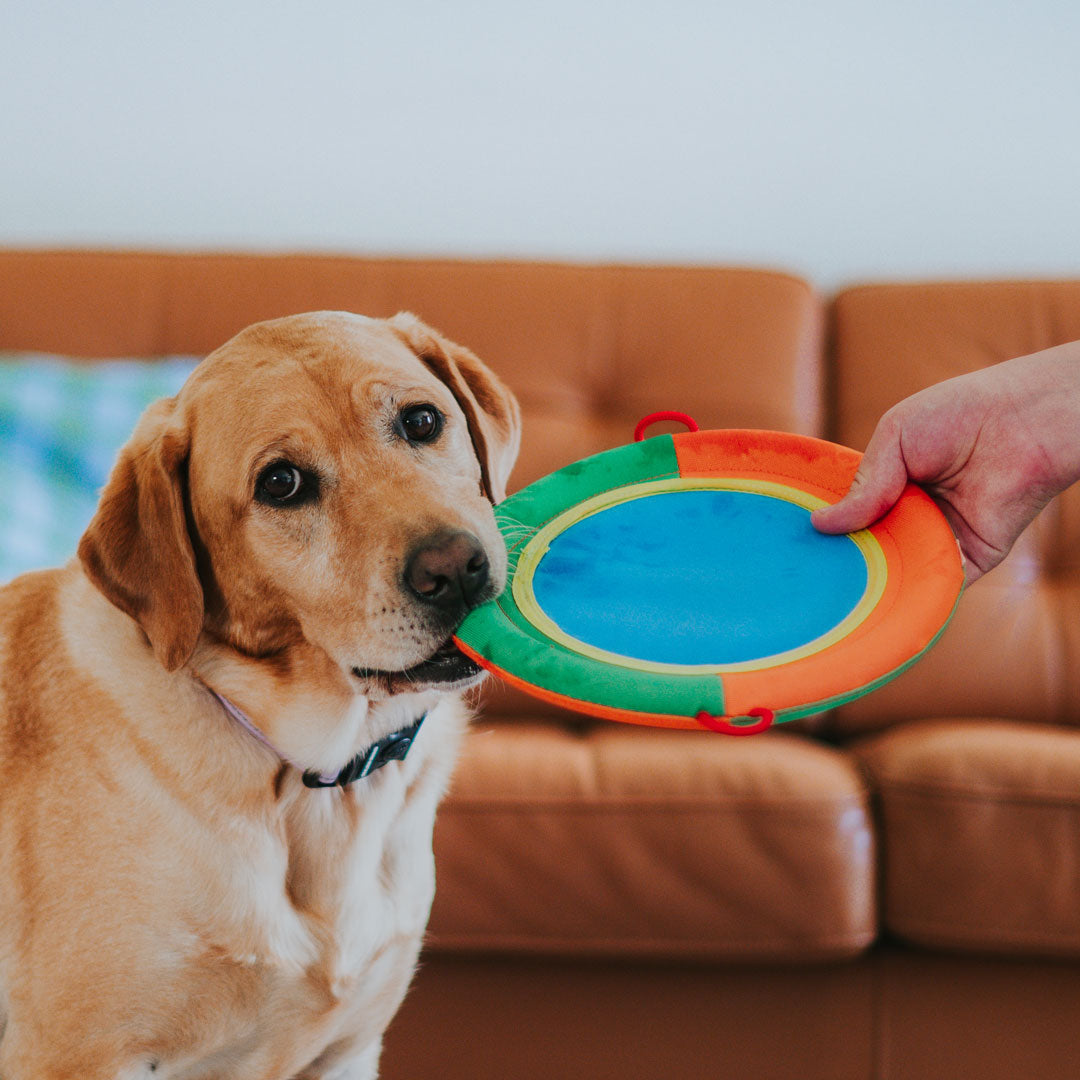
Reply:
x=61 y=425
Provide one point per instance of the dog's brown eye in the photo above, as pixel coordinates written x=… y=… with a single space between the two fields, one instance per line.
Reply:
x=421 y=423
x=280 y=483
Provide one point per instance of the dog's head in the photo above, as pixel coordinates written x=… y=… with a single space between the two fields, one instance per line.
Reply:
x=324 y=480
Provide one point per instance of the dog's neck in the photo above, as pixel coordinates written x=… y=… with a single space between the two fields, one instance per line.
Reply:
x=393 y=747
x=303 y=707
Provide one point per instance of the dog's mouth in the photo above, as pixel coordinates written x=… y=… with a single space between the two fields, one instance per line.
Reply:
x=447 y=668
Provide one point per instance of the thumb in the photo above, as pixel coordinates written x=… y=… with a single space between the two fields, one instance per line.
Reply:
x=879 y=481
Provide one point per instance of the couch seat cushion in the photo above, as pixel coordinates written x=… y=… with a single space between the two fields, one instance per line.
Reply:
x=980 y=834
x=615 y=840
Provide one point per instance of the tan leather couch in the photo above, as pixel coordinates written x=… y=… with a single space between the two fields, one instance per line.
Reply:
x=889 y=892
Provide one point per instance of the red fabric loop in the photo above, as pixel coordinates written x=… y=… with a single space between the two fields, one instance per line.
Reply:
x=652 y=418
x=765 y=718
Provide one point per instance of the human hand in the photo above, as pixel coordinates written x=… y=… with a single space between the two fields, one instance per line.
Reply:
x=991 y=448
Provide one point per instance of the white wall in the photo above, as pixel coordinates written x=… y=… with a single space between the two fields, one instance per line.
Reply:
x=843 y=139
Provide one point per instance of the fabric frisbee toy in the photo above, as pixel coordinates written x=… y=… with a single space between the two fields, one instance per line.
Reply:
x=677 y=581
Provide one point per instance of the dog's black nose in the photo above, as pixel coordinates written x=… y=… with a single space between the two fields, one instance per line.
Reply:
x=449 y=571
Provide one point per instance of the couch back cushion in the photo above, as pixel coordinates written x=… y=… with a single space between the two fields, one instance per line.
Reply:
x=588 y=349
x=1013 y=647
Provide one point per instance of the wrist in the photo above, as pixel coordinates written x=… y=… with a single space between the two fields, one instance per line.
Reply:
x=1052 y=383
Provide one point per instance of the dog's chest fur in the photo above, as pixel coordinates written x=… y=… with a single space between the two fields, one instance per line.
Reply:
x=323 y=905
x=321 y=921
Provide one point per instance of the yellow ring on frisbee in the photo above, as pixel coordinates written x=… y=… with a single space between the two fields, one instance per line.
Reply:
x=535 y=550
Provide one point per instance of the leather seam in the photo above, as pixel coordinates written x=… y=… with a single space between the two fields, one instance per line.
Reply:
x=781 y=948
x=671 y=806
x=992 y=936
x=904 y=789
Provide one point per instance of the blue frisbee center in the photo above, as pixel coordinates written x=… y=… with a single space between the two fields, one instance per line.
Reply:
x=699 y=577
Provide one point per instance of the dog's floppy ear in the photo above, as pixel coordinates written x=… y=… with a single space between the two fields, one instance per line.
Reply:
x=490 y=409
x=137 y=549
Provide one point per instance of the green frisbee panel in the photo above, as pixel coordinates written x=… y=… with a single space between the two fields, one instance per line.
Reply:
x=505 y=638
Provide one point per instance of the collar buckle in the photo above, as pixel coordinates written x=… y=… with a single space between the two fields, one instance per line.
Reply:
x=394 y=747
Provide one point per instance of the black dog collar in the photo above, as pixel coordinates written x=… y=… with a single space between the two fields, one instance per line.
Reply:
x=394 y=747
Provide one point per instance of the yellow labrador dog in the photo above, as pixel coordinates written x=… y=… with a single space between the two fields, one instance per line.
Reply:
x=226 y=725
